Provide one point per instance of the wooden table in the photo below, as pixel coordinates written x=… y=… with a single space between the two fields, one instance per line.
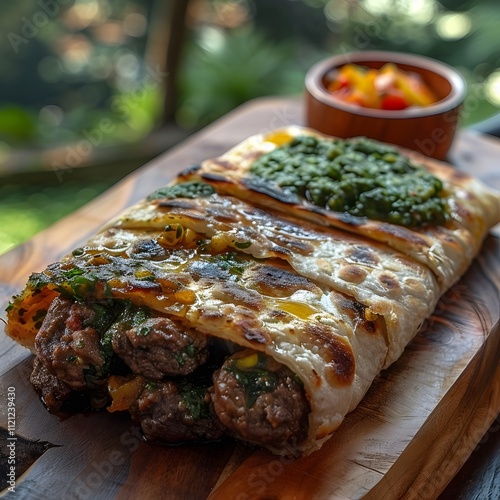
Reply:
x=103 y=456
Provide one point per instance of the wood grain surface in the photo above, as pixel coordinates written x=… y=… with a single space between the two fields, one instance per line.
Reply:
x=418 y=424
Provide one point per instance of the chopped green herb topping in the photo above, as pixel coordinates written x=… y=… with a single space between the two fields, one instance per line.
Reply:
x=360 y=177
x=243 y=244
x=231 y=262
x=104 y=316
x=191 y=189
x=188 y=352
x=143 y=331
x=38 y=280
x=193 y=398
x=179 y=357
x=256 y=379
x=75 y=271
x=151 y=386
x=131 y=316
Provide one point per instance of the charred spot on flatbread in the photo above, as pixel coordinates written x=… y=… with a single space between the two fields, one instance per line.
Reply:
x=352 y=274
x=350 y=220
x=234 y=293
x=337 y=353
x=389 y=281
x=251 y=328
x=277 y=281
x=288 y=244
x=357 y=312
x=363 y=255
x=183 y=204
x=404 y=234
x=190 y=171
x=213 y=177
x=208 y=271
x=265 y=188
x=147 y=249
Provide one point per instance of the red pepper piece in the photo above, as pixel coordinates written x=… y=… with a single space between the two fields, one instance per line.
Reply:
x=393 y=102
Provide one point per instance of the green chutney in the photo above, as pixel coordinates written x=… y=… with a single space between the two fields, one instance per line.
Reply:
x=360 y=177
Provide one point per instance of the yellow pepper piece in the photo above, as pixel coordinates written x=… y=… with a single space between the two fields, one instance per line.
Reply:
x=279 y=138
x=367 y=87
x=413 y=92
x=171 y=235
x=370 y=315
x=123 y=392
x=248 y=361
x=143 y=273
x=218 y=242
x=190 y=237
x=185 y=296
x=353 y=74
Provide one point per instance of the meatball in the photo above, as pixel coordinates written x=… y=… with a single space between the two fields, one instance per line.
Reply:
x=54 y=392
x=159 y=347
x=260 y=400
x=175 y=413
x=66 y=346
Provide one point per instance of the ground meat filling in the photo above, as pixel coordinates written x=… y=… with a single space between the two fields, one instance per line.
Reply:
x=253 y=397
x=66 y=345
x=159 y=347
x=174 y=413
x=52 y=390
x=260 y=400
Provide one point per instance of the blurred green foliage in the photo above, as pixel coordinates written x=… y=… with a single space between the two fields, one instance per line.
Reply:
x=17 y=125
x=225 y=70
x=67 y=65
x=292 y=35
x=26 y=209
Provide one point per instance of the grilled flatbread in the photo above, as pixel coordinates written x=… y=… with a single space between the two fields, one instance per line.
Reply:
x=446 y=248
x=203 y=314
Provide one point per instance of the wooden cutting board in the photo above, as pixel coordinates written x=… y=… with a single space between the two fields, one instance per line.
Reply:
x=416 y=426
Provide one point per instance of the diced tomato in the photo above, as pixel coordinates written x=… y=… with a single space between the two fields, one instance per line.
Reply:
x=340 y=83
x=393 y=102
x=343 y=82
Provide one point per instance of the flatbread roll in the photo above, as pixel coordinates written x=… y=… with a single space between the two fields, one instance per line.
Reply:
x=446 y=248
x=226 y=304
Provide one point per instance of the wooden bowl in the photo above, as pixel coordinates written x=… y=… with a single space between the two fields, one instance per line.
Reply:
x=428 y=130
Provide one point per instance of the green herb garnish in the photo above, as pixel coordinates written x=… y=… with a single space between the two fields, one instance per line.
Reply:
x=231 y=262
x=359 y=177
x=191 y=189
x=243 y=244
x=256 y=379
x=193 y=398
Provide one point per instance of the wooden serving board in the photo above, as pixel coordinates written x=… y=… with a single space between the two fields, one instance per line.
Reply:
x=416 y=426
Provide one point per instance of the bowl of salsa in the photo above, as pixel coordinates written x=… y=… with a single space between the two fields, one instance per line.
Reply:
x=403 y=99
